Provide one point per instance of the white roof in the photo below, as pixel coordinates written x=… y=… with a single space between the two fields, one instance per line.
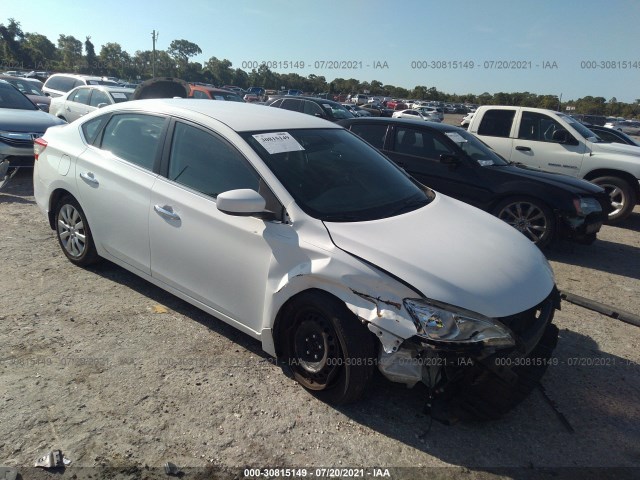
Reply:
x=241 y=117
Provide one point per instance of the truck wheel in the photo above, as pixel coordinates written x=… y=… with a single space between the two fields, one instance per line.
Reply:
x=623 y=198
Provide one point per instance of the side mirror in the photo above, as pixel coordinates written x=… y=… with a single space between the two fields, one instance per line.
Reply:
x=242 y=202
x=100 y=105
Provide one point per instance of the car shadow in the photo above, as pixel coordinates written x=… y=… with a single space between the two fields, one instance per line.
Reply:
x=19 y=189
x=610 y=257
x=588 y=391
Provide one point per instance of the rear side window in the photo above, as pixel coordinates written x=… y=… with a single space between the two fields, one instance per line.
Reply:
x=199 y=94
x=538 y=127
x=374 y=134
x=208 y=164
x=420 y=143
x=291 y=104
x=92 y=128
x=134 y=137
x=98 y=97
x=496 y=123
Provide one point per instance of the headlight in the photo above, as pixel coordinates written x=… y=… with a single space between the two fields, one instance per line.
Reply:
x=447 y=324
x=586 y=205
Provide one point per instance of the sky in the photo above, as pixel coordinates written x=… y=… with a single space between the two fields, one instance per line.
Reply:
x=547 y=47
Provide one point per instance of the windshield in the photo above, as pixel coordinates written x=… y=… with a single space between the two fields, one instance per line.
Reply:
x=335 y=176
x=26 y=87
x=580 y=128
x=10 y=97
x=475 y=148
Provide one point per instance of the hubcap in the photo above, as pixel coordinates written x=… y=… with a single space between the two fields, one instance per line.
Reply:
x=526 y=218
x=71 y=231
x=616 y=194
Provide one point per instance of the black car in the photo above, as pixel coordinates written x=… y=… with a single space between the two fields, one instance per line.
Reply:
x=611 y=135
x=327 y=109
x=449 y=159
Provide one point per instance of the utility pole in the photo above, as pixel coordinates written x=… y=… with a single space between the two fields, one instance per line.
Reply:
x=154 y=36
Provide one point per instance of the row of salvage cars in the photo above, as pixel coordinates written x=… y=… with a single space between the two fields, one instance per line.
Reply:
x=302 y=235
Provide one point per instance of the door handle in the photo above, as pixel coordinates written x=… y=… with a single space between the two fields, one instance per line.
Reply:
x=166 y=211
x=89 y=178
x=523 y=149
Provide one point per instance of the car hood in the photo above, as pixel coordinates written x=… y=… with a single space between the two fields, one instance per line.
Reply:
x=619 y=148
x=30 y=121
x=574 y=185
x=454 y=253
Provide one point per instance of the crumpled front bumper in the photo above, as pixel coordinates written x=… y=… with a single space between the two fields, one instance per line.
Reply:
x=479 y=383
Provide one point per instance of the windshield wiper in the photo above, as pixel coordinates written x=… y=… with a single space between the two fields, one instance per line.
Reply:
x=341 y=217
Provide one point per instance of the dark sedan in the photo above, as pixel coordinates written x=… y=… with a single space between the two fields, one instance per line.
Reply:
x=611 y=135
x=542 y=205
x=319 y=107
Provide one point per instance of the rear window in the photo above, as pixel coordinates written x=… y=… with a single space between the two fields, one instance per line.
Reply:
x=496 y=123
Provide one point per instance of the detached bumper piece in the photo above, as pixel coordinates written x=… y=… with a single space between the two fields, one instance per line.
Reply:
x=489 y=387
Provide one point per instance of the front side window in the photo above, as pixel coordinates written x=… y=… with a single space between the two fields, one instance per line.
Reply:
x=133 y=137
x=199 y=94
x=420 y=143
x=98 y=97
x=10 y=97
x=91 y=129
x=207 y=163
x=312 y=108
x=538 y=127
x=496 y=123
x=81 y=95
x=291 y=104
x=372 y=133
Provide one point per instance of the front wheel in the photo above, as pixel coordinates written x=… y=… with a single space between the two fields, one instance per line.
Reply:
x=622 y=196
x=329 y=351
x=73 y=232
x=533 y=218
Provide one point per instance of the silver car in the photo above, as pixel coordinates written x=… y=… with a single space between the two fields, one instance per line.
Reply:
x=82 y=100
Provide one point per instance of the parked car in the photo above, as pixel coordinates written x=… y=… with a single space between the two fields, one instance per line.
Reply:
x=212 y=93
x=360 y=99
x=543 y=206
x=466 y=120
x=60 y=83
x=627 y=126
x=555 y=142
x=354 y=265
x=377 y=109
x=397 y=105
x=31 y=88
x=82 y=100
x=20 y=123
x=611 y=135
x=319 y=107
x=417 y=114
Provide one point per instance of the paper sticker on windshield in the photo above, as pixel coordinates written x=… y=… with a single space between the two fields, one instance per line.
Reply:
x=456 y=137
x=278 y=142
x=485 y=163
x=118 y=95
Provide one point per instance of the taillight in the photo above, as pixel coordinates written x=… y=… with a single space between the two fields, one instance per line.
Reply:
x=39 y=144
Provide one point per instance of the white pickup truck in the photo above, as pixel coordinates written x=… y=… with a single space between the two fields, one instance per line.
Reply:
x=555 y=142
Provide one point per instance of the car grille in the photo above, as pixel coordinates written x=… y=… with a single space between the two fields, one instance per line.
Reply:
x=528 y=326
x=20 y=143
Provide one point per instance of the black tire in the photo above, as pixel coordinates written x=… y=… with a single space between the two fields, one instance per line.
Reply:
x=623 y=197
x=329 y=351
x=530 y=216
x=73 y=232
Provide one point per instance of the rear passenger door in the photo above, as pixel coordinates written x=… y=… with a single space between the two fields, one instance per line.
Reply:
x=76 y=104
x=114 y=178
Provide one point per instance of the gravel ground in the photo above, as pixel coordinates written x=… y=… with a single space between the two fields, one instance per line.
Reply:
x=123 y=377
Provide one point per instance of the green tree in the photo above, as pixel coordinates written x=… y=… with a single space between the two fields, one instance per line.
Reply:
x=114 y=61
x=70 y=49
x=90 y=56
x=11 y=39
x=181 y=51
x=42 y=54
x=220 y=70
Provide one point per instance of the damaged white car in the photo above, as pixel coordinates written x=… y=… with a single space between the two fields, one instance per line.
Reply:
x=305 y=237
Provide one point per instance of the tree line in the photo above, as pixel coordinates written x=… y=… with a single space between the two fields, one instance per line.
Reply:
x=32 y=51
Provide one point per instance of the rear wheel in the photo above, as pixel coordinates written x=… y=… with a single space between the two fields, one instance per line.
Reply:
x=73 y=232
x=329 y=351
x=533 y=218
x=622 y=196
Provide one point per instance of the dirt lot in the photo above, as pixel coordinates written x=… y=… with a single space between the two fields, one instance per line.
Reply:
x=117 y=373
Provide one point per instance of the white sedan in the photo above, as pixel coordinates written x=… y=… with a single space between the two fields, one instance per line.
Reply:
x=418 y=114
x=85 y=99
x=303 y=236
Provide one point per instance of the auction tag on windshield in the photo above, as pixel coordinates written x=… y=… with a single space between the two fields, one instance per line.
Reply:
x=118 y=95
x=456 y=137
x=279 y=142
